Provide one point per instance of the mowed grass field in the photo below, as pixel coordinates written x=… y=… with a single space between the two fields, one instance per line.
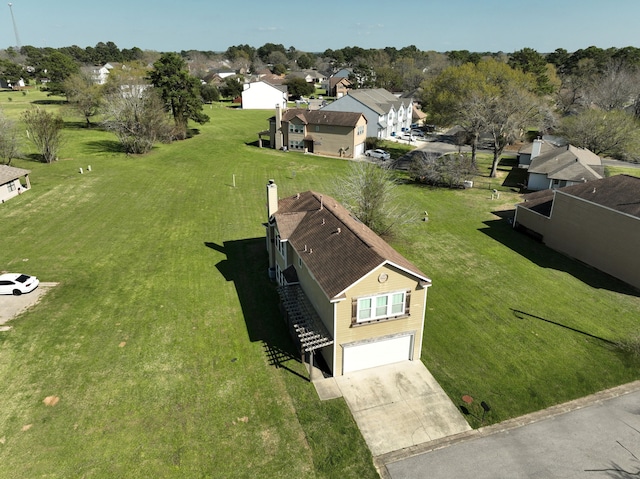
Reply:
x=164 y=343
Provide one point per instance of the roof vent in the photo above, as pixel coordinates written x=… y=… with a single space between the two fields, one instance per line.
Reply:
x=298 y=196
x=594 y=190
x=338 y=231
x=321 y=203
x=323 y=221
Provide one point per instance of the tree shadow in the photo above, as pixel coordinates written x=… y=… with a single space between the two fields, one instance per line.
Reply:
x=501 y=230
x=49 y=102
x=82 y=125
x=246 y=266
x=104 y=146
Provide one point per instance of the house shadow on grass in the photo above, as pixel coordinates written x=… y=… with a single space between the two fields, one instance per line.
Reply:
x=501 y=230
x=246 y=266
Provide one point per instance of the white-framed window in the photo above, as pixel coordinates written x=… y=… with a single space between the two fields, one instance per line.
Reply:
x=11 y=186
x=296 y=145
x=360 y=130
x=382 y=306
x=294 y=128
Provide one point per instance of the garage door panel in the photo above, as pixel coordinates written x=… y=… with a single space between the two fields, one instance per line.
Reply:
x=377 y=353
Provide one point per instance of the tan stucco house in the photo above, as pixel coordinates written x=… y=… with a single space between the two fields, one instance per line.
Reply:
x=11 y=182
x=597 y=223
x=349 y=296
x=331 y=133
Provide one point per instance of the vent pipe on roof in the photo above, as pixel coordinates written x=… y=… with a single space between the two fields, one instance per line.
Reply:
x=321 y=203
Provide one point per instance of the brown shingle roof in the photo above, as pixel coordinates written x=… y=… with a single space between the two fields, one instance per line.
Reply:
x=337 y=248
x=321 y=117
x=620 y=193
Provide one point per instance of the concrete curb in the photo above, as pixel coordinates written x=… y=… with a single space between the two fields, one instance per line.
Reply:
x=380 y=462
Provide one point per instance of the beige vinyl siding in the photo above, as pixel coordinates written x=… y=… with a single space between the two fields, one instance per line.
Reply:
x=371 y=286
x=600 y=237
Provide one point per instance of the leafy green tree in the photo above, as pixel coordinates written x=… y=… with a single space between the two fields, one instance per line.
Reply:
x=231 y=88
x=57 y=67
x=179 y=90
x=388 y=78
x=298 y=87
x=11 y=71
x=83 y=95
x=44 y=129
x=209 y=93
x=9 y=148
x=530 y=61
x=305 y=61
x=614 y=133
x=279 y=69
x=485 y=97
x=268 y=48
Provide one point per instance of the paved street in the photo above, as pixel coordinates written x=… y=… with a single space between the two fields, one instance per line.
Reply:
x=598 y=438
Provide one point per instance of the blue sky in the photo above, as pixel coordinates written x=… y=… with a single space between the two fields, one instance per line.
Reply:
x=440 y=25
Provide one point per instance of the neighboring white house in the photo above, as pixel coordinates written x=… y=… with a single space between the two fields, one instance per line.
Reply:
x=386 y=114
x=10 y=184
x=261 y=95
x=98 y=74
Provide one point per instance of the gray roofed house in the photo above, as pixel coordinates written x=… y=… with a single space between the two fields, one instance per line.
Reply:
x=10 y=182
x=563 y=166
x=387 y=115
x=597 y=222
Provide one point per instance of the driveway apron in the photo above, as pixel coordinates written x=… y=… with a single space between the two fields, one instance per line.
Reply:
x=399 y=405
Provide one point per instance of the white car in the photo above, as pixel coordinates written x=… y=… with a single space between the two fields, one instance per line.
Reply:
x=408 y=136
x=418 y=133
x=17 y=284
x=384 y=155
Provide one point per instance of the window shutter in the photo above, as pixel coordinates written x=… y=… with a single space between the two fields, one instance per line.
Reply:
x=354 y=310
x=407 y=302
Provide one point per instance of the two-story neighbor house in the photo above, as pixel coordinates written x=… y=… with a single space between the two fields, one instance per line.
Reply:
x=387 y=115
x=330 y=133
x=261 y=95
x=597 y=223
x=348 y=295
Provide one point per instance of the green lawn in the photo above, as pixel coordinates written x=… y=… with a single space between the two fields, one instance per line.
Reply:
x=164 y=342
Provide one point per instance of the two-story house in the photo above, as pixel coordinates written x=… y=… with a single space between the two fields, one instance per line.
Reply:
x=387 y=115
x=329 y=133
x=348 y=295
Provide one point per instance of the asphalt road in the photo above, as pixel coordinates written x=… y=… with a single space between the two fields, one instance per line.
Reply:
x=599 y=440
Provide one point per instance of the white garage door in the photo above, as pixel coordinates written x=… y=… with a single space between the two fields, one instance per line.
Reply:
x=383 y=351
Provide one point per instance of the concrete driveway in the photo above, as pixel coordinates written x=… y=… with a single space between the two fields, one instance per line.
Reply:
x=11 y=306
x=396 y=406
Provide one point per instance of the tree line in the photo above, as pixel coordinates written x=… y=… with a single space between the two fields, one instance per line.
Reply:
x=503 y=95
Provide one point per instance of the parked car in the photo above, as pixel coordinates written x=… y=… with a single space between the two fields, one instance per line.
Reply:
x=17 y=284
x=418 y=133
x=384 y=155
x=408 y=136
